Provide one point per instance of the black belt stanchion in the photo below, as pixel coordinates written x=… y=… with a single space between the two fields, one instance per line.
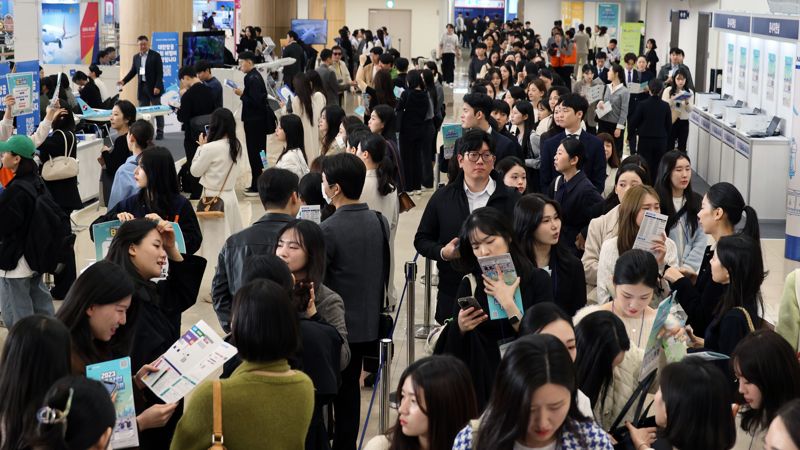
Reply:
x=385 y=357
x=424 y=328
x=411 y=292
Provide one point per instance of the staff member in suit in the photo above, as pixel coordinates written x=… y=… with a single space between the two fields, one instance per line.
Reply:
x=635 y=74
x=667 y=72
x=293 y=50
x=257 y=117
x=653 y=121
x=147 y=65
x=572 y=109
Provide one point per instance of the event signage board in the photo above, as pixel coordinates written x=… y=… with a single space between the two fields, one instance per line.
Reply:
x=777 y=28
x=26 y=123
x=90 y=34
x=608 y=16
x=166 y=44
x=732 y=22
x=60 y=35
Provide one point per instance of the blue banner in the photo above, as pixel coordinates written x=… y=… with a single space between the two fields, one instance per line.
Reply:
x=775 y=27
x=608 y=16
x=26 y=123
x=732 y=22
x=167 y=45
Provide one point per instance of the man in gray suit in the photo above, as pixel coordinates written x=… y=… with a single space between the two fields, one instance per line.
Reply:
x=582 y=49
x=329 y=80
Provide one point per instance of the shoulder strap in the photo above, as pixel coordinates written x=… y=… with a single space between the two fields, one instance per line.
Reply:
x=747 y=316
x=216 y=436
x=67 y=147
x=386 y=259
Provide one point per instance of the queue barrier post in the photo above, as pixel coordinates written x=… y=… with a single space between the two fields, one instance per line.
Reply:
x=411 y=291
x=423 y=329
x=385 y=357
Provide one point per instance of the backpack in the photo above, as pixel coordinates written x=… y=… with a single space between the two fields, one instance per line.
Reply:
x=50 y=232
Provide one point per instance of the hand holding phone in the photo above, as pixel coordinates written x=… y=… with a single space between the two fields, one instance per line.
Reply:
x=467 y=302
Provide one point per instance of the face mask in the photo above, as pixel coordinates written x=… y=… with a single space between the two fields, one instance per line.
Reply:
x=325 y=196
x=340 y=141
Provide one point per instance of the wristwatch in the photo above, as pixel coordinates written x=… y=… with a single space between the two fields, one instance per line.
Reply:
x=513 y=320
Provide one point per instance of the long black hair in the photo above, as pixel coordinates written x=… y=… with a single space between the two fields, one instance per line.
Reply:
x=600 y=337
x=490 y=221
x=334 y=114
x=302 y=89
x=162 y=181
x=126 y=108
x=130 y=233
x=541 y=315
x=692 y=201
x=387 y=115
x=741 y=256
x=102 y=283
x=310 y=237
x=36 y=354
x=725 y=196
x=316 y=82
x=222 y=126
x=376 y=146
x=531 y=362
x=292 y=128
x=697 y=399
x=525 y=108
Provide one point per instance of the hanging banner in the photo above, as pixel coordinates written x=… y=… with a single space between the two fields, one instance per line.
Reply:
x=631 y=38
x=166 y=44
x=788 y=74
x=61 y=33
x=28 y=120
x=608 y=16
x=90 y=33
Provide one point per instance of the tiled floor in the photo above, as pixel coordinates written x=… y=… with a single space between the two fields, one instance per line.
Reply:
x=251 y=209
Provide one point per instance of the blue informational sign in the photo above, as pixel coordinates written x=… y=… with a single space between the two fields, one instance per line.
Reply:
x=26 y=123
x=732 y=22
x=777 y=28
x=608 y=16
x=167 y=45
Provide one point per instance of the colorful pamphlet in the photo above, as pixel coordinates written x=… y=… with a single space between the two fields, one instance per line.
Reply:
x=654 y=348
x=652 y=228
x=20 y=85
x=231 y=84
x=451 y=132
x=118 y=372
x=310 y=212
x=195 y=356
x=489 y=267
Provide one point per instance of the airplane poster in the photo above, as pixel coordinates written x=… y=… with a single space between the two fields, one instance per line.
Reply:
x=61 y=42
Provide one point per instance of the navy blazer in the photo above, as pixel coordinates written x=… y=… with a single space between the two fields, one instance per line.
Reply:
x=594 y=166
x=576 y=198
x=503 y=146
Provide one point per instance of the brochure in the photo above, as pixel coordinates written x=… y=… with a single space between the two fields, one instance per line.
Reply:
x=198 y=353
x=489 y=265
x=654 y=348
x=451 y=132
x=104 y=233
x=683 y=96
x=231 y=84
x=398 y=91
x=285 y=93
x=595 y=93
x=603 y=109
x=652 y=227
x=310 y=212
x=20 y=85
x=637 y=88
x=708 y=356
x=118 y=371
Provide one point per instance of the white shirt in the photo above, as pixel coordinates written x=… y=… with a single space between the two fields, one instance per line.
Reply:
x=480 y=199
x=551 y=446
x=23 y=270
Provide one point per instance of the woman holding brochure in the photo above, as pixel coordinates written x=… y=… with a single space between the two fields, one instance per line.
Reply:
x=680 y=99
x=143 y=247
x=612 y=110
x=472 y=336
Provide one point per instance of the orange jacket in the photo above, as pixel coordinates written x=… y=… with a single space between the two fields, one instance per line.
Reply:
x=6 y=175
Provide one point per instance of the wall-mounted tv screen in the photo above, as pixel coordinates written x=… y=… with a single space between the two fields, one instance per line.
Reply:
x=311 y=31
x=204 y=46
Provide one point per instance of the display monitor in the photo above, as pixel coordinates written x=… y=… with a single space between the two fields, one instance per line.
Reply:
x=204 y=46
x=311 y=31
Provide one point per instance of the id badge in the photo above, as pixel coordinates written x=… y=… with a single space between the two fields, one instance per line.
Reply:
x=141 y=70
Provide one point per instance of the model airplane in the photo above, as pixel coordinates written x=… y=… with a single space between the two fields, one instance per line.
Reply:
x=104 y=115
x=52 y=34
x=271 y=66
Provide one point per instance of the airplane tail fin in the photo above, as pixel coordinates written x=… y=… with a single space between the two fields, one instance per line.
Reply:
x=85 y=108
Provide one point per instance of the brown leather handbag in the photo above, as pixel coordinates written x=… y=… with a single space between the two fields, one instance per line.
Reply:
x=213 y=207
x=406 y=204
x=217 y=440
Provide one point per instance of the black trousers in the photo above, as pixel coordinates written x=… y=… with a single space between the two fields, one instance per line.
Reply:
x=608 y=127
x=652 y=149
x=413 y=144
x=347 y=405
x=63 y=280
x=678 y=135
x=255 y=135
x=448 y=67
x=150 y=100
x=427 y=159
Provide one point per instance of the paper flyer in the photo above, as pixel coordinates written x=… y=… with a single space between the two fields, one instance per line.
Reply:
x=198 y=353
x=603 y=109
x=20 y=85
x=683 y=96
x=653 y=350
x=310 y=212
x=652 y=227
x=285 y=93
x=104 y=233
x=231 y=84
x=595 y=93
x=708 y=356
x=118 y=371
x=451 y=132
x=489 y=266
x=772 y=69
x=637 y=88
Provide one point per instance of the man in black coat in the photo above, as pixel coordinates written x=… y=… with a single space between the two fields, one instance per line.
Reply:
x=652 y=121
x=573 y=109
x=150 y=71
x=257 y=117
x=475 y=114
x=475 y=186
x=293 y=50
x=194 y=105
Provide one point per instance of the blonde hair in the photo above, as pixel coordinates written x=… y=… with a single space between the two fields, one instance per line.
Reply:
x=628 y=211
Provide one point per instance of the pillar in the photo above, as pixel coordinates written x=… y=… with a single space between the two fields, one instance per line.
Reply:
x=273 y=16
x=144 y=17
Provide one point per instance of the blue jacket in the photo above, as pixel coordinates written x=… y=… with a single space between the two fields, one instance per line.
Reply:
x=594 y=167
x=124 y=184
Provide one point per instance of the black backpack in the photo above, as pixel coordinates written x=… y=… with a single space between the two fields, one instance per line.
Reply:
x=50 y=232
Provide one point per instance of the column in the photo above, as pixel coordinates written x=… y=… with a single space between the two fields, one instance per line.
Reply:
x=144 y=17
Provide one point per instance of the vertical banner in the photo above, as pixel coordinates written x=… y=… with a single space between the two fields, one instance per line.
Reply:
x=90 y=34
x=772 y=70
x=792 y=245
x=788 y=74
x=108 y=11
x=28 y=120
x=61 y=33
x=608 y=16
x=166 y=44
x=571 y=14
x=756 y=71
x=631 y=38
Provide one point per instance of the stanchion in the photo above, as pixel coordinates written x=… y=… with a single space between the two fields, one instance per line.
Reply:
x=385 y=357
x=411 y=278
x=424 y=328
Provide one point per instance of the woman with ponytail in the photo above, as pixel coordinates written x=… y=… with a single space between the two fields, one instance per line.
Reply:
x=722 y=209
x=380 y=192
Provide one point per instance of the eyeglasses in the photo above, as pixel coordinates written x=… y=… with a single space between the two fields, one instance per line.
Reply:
x=474 y=156
x=337 y=53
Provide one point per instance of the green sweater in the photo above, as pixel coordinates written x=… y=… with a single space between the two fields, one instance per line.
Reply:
x=789 y=312
x=258 y=411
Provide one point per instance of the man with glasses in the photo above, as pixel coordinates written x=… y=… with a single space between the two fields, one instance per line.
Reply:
x=339 y=67
x=476 y=185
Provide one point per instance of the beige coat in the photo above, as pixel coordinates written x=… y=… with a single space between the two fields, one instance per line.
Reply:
x=600 y=229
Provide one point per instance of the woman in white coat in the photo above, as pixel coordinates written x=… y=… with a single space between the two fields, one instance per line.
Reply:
x=290 y=134
x=308 y=106
x=217 y=164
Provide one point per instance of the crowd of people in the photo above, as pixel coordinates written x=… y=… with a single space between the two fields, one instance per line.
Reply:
x=552 y=356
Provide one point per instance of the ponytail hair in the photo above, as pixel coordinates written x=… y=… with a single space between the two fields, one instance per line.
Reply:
x=724 y=195
x=376 y=146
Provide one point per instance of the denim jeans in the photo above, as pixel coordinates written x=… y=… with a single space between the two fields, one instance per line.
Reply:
x=22 y=297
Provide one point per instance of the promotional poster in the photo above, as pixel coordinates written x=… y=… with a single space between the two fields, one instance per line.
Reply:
x=608 y=16
x=61 y=43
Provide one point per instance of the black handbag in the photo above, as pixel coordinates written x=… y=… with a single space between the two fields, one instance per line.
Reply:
x=640 y=419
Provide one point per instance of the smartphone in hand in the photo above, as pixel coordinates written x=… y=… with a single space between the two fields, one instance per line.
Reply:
x=468 y=302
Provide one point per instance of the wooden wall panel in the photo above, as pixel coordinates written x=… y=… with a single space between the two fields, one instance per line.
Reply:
x=333 y=10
